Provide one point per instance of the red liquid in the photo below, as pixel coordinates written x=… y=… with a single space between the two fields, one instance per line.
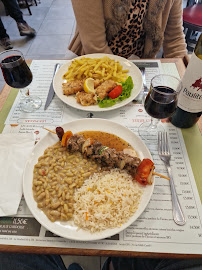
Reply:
x=158 y=105
x=16 y=74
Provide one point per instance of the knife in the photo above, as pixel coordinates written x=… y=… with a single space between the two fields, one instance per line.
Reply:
x=51 y=91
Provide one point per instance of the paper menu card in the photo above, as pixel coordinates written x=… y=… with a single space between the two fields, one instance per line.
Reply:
x=155 y=230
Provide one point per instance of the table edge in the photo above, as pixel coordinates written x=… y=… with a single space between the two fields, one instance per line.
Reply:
x=92 y=252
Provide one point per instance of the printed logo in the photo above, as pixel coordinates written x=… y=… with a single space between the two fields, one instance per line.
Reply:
x=197 y=84
x=90 y=115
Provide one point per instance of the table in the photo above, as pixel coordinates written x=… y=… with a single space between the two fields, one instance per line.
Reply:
x=93 y=252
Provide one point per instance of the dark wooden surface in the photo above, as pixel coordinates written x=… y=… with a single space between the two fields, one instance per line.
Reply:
x=93 y=252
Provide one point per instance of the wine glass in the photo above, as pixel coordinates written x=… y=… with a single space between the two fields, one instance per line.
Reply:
x=18 y=75
x=160 y=103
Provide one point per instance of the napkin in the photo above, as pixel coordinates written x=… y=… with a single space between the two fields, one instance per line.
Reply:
x=14 y=151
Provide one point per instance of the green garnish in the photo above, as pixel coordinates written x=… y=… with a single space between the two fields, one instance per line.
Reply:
x=102 y=149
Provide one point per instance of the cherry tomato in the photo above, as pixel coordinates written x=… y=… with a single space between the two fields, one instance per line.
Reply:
x=143 y=171
x=115 y=92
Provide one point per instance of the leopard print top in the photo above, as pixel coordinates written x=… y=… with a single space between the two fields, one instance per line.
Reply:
x=131 y=37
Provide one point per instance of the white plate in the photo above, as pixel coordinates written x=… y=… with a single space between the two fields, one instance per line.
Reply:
x=67 y=229
x=134 y=72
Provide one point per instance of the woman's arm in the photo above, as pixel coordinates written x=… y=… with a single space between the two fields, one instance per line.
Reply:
x=91 y=25
x=174 y=42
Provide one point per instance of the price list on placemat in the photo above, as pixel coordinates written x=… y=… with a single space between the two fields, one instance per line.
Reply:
x=154 y=230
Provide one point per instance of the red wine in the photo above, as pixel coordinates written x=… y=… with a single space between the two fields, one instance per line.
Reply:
x=16 y=72
x=158 y=104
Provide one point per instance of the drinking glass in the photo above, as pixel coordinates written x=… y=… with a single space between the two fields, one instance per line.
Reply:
x=160 y=103
x=18 y=75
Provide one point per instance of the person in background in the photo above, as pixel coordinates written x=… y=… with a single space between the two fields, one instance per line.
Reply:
x=129 y=27
x=12 y=9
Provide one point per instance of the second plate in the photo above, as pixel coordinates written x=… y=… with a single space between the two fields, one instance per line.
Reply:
x=134 y=72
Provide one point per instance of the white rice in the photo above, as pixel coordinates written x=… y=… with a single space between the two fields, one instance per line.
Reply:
x=106 y=200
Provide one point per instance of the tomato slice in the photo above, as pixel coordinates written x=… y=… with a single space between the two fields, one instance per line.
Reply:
x=115 y=92
x=143 y=171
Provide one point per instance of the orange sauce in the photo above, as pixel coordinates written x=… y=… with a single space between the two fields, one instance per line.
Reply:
x=106 y=139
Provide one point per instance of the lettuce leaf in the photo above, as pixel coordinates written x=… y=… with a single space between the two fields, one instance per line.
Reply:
x=127 y=88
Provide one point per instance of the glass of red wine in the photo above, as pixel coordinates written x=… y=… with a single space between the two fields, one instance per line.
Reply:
x=160 y=103
x=18 y=75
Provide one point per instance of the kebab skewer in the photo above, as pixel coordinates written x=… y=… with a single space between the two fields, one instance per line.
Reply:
x=141 y=171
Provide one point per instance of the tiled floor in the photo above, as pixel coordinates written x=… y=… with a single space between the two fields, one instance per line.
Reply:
x=54 y=23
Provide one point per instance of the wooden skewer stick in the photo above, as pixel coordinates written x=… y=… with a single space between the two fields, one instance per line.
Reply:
x=162 y=176
x=49 y=130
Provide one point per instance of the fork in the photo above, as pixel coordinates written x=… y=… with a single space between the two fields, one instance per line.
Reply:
x=165 y=156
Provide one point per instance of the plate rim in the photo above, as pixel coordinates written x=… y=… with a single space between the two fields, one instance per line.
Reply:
x=97 y=108
x=96 y=235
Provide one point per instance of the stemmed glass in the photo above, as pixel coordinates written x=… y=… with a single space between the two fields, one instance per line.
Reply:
x=18 y=75
x=160 y=103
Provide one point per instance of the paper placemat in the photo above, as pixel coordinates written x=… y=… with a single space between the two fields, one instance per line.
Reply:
x=155 y=230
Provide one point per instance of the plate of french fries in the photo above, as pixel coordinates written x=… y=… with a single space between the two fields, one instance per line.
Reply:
x=98 y=82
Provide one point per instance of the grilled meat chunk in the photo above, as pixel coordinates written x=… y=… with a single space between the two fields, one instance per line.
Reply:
x=75 y=143
x=103 y=89
x=103 y=155
x=72 y=87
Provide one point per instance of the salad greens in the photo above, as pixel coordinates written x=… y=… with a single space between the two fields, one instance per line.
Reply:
x=127 y=88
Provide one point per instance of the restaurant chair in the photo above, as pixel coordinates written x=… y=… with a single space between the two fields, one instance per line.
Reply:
x=27 y=5
x=191 y=3
x=192 y=22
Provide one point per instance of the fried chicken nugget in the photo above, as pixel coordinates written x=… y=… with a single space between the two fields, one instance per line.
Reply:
x=86 y=99
x=72 y=87
x=103 y=89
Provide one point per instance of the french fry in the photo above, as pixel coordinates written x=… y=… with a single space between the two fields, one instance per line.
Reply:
x=103 y=72
x=97 y=68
